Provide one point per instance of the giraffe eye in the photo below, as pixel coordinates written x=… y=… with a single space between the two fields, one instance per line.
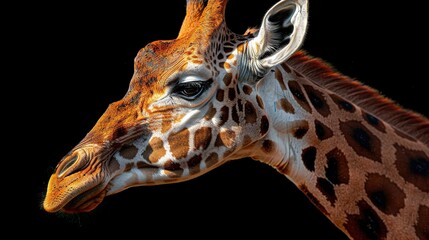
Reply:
x=190 y=90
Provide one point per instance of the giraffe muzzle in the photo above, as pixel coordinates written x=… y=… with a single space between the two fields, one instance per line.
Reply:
x=79 y=183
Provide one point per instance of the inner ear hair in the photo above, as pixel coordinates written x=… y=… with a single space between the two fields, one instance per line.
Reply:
x=280 y=27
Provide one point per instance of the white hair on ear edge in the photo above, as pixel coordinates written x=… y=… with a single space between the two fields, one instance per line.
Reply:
x=281 y=34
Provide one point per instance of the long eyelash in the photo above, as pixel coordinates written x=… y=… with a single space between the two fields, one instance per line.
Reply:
x=206 y=84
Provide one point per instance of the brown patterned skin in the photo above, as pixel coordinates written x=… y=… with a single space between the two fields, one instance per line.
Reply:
x=211 y=96
x=367 y=170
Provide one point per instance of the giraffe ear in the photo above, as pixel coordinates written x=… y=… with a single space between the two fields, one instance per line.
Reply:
x=280 y=35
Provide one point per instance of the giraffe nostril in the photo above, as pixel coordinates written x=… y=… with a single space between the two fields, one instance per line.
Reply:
x=66 y=164
x=70 y=165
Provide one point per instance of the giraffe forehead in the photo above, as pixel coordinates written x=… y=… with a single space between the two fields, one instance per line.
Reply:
x=159 y=63
x=156 y=62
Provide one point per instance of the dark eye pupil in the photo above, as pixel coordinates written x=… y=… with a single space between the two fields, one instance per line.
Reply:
x=191 y=89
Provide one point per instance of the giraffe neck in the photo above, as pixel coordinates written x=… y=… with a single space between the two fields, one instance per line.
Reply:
x=368 y=176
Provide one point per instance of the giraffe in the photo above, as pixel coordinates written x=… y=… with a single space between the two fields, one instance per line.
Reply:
x=211 y=96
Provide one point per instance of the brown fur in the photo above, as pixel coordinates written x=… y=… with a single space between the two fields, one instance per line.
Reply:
x=411 y=123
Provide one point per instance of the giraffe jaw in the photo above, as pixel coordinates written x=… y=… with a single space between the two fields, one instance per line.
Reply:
x=85 y=202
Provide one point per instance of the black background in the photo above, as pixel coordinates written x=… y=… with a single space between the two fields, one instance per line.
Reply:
x=69 y=62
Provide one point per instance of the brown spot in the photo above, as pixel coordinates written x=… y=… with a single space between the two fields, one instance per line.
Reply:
x=227 y=79
x=212 y=159
x=223 y=115
x=197 y=61
x=231 y=94
x=227 y=137
x=265 y=124
x=194 y=164
x=202 y=138
x=268 y=146
x=247 y=89
x=234 y=115
x=128 y=151
x=250 y=112
x=308 y=157
x=375 y=122
x=119 y=132
x=337 y=171
x=298 y=95
x=210 y=112
x=285 y=105
x=343 y=104
x=221 y=64
x=413 y=166
x=220 y=95
x=365 y=225
x=260 y=102
x=228 y=50
x=384 y=194
x=300 y=130
x=280 y=79
x=422 y=226
x=313 y=199
x=220 y=56
x=322 y=131
x=363 y=142
x=155 y=150
x=219 y=142
x=318 y=100
x=113 y=165
x=179 y=143
x=327 y=189
x=172 y=166
x=128 y=166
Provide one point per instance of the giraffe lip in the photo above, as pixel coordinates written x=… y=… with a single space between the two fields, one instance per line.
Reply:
x=86 y=201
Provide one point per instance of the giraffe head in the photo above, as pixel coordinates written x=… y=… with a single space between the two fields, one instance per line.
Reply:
x=192 y=104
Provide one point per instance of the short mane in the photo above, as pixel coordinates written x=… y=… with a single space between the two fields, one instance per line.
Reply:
x=369 y=99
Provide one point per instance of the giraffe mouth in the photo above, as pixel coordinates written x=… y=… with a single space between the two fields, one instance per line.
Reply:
x=86 y=201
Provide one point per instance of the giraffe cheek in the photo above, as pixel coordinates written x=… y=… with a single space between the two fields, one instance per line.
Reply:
x=155 y=150
x=156 y=155
x=226 y=138
x=179 y=144
x=113 y=165
x=202 y=138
